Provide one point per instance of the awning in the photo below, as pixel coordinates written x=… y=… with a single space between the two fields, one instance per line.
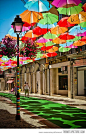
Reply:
x=10 y=81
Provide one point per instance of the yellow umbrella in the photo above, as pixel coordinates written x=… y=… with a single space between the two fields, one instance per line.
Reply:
x=58 y=30
x=77 y=18
x=79 y=43
x=53 y=49
x=40 y=44
x=58 y=41
x=30 y=34
x=31 y=16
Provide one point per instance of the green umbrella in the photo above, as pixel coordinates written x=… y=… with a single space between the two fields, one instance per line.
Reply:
x=62 y=49
x=49 y=18
x=70 y=10
x=48 y=35
x=39 y=55
x=50 y=43
x=14 y=58
x=83 y=24
x=75 y=39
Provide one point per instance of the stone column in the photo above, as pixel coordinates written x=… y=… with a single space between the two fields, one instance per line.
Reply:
x=41 y=82
x=45 y=81
x=69 y=83
x=34 y=82
x=51 y=82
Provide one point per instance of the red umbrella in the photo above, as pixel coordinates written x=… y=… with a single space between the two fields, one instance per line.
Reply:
x=66 y=36
x=64 y=23
x=51 y=54
x=83 y=38
x=44 y=48
x=26 y=38
x=40 y=31
x=84 y=7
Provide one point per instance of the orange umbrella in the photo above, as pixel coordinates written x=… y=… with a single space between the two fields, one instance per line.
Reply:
x=8 y=35
x=58 y=41
x=77 y=18
x=58 y=30
x=79 y=43
x=53 y=49
x=30 y=34
x=31 y=16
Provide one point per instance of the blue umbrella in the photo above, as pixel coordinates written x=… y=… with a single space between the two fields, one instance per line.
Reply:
x=66 y=44
x=76 y=30
x=11 y=33
x=38 y=5
x=47 y=25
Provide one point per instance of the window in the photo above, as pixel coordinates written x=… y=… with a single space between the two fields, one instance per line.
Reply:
x=63 y=82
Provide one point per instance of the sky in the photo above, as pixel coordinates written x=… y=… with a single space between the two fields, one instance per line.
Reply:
x=8 y=11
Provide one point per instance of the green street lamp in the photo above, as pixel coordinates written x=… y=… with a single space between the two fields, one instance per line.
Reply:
x=17 y=26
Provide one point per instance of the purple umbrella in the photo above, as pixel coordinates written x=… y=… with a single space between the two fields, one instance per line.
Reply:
x=61 y=3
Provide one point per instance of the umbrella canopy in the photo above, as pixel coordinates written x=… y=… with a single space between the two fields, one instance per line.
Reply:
x=79 y=43
x=58 y=30
x=40 y=31
x=61 y=3
x=50 y=43
x=70 y=10
x=58 y=41
x=75 y=30
x=47 y=25
x=42 y=40
x=66 y=36
x=53 y=49
x=49 y=36
x=30 y=16
x=83 y=39
x=51 y=54
x=30 y=34
x=81 y=34
x=83 y=24
x=71 y=46
x=44 y=48
x=84 y=7
x=62 y=49
x=49 y=18
x=77 y=18
x=64 y=23
x=66 y=44
x=38 y=5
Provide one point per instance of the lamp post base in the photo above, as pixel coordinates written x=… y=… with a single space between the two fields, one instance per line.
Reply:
x=17 y=117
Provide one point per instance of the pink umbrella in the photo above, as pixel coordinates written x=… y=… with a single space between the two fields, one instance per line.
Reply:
x=71 y=46
x=61 y=3
x=81 y=34
x=43 y=40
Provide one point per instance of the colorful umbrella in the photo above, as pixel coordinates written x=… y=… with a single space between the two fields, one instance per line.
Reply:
x=42 y=40
x=66 y=36
x=70 y=10
x=83 y=39
x=58 y=41
x=71 y=46
x=8 y=35
x=84 y=7
x=79 y=43
x=61 y=3
x=44 y=48
x=58 y=30
x=81 y=34
x=66 y=44
x=47 y=25
x=64 y=23
x=53 y=49
x=49 y=36
x=77 y=18
x=38 y=5
x=52 y=54
x=83 y=24
x=30 y=16
x=40 y=31
x=50 y=43
x=62 y=49
x=30 y=34
x=49 y=18
x=75 y=30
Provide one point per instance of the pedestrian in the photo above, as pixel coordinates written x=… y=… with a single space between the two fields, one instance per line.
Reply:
x=15 y=89
x=26 y=89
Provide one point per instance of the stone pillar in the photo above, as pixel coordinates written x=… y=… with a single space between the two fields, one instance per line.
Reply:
x=34 y=82
x=51 y=82
x=22 y=82
x=69 y=82
x=41 y=82
x=45 y=81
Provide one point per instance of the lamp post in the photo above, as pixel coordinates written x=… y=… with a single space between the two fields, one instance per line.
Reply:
x=17 y=26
